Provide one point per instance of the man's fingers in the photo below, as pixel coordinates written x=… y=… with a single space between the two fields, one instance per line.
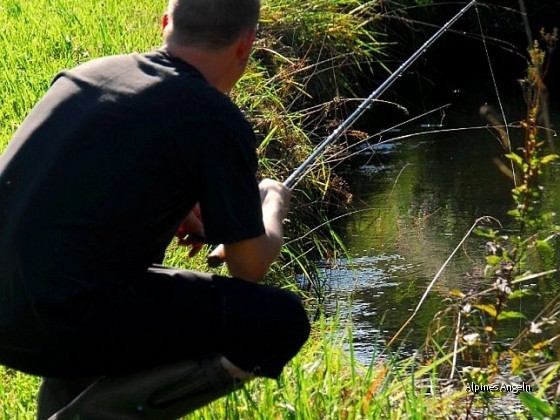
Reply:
x=193 y=241
x=195 y=249
x=191 y=225
x=190 y=239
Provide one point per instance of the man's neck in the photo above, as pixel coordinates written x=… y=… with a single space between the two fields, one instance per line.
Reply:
x=215 y=66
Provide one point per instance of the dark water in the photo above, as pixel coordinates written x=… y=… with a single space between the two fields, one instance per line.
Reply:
x=415 y=199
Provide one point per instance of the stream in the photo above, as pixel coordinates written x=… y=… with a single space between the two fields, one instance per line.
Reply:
x=414 y=201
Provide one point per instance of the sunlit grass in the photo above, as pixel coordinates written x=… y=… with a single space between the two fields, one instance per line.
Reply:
x=39 y=38
x=18 y=394
x=324 y=381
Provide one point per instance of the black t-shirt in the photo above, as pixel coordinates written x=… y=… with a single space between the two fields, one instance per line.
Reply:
x=99 y=176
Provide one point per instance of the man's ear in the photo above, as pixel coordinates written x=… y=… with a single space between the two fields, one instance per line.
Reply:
x=245 y=44
x=165 y=20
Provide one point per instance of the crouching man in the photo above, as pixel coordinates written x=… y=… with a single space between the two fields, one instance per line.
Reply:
x=119 y=155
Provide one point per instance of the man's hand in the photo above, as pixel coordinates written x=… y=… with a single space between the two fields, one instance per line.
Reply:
x=191 y=231
x=276 y=197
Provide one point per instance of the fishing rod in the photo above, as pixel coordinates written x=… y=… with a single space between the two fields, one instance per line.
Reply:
x=216 y=257
x=297 y=175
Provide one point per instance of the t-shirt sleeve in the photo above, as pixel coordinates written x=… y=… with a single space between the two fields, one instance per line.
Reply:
x=228 y=189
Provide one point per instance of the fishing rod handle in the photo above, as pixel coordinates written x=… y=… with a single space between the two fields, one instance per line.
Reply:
x=216 y=257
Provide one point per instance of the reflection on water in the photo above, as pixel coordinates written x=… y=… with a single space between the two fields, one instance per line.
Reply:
x=417 y=199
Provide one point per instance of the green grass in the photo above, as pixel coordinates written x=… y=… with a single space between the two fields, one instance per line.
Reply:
x=324 y=381
x=17 y=395
x=39 y=38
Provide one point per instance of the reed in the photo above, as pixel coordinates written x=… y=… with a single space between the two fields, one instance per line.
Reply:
x=307 y=61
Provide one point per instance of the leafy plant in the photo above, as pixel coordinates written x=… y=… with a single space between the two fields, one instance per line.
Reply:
x=514 y=257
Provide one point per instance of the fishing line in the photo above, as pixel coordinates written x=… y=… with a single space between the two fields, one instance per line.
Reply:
x=343 y=152
x=328 y=222
x=429 y=132
x=341 y=155
x=493 y=76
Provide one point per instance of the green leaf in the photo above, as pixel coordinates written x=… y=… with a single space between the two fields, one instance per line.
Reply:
x=510 y=315
x=519 y=293
x=515 y=158
x=457 y=294
x=485 y=233
x=516 y=364
x=543 y=245
x=548 y=158
x=493 y=259
x=489 y=309
x=538 y=408
x=514 y=213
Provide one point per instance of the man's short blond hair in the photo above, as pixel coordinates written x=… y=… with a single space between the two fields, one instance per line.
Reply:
x=211 y=24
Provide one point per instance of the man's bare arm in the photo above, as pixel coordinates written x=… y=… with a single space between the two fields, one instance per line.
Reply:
x=250 y=259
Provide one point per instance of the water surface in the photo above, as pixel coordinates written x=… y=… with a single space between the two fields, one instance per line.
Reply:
x=416 y=199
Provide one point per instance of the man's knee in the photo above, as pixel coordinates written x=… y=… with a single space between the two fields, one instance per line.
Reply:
x=283 y=320
x=280 y=332
x=264 y=326
x=292 y=318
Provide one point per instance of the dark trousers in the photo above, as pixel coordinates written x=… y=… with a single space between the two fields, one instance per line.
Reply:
x=169 y=315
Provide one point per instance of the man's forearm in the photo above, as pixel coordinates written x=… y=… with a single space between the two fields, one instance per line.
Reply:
x=251 y=259
x=273 y=215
